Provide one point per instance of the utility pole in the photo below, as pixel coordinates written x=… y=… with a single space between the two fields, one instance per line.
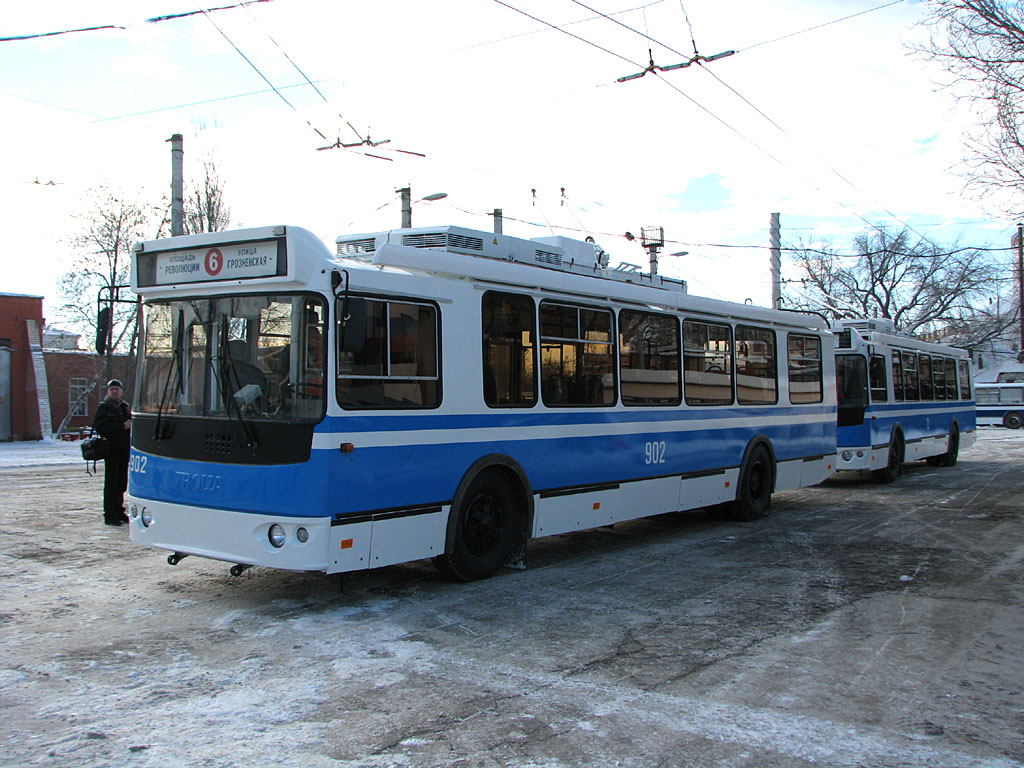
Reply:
x=177 y=186
x=1020 y=283
x=407 y=201
x=497 y=220
x=776 y=260
x=406 y=194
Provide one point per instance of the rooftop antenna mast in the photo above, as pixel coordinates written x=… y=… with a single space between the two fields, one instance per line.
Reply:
x=653 y=238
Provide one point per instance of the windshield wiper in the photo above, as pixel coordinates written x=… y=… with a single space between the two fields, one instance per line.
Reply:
x=174 y=373
x=223 y=388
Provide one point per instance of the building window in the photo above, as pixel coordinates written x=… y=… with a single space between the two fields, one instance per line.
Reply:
x=78 y=397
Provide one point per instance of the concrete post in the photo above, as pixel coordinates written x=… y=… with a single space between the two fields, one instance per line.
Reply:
x=177 y=185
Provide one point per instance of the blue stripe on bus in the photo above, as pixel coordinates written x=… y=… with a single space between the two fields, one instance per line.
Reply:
x=918 y=424
x=335 y=483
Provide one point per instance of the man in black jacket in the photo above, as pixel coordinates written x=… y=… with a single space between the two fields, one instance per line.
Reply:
x=114 y=422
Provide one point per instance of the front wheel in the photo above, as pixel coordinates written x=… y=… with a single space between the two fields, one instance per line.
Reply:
x=754 y=493
x=894 y=465
x=486 y=525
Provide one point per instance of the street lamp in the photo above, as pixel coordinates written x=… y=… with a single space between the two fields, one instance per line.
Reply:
x=407 y=201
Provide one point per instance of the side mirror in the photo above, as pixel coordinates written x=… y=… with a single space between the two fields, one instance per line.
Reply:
x=102 y=330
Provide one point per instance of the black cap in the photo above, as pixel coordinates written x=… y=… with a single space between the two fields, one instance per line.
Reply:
x=115 y=383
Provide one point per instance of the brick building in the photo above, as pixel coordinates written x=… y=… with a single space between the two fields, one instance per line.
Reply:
x=39 y=385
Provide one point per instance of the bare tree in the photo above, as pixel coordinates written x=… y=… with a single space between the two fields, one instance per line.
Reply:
x=916 y=284
x=102 y=260
x=205 y=207
x=981 y=44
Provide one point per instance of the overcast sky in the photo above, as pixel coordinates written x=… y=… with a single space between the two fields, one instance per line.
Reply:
x=832 y=128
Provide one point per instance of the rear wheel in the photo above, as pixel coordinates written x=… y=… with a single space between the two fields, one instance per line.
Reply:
x=948 y=459
x=894 y=464
x=1013 y=420
x=486 y=525
x=754 y=493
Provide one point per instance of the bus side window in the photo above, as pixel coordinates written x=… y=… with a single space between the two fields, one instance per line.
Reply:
x=950 y=379
x=939 y=375
x=577 y=357
x=965 y=379
x=805 y=377
x=707 y=363
x=1011 y=395
x=649 y=358
x=911 y=392
x=509 y=350
x=388 y=355
x=897 y=376
x=876 y=373
x=924 y=371
x=757 y=376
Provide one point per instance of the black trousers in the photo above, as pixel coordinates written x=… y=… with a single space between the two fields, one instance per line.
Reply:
x=115 y=483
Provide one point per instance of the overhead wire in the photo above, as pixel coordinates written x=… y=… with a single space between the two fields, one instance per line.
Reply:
x=567 y=32
x=942 y=253
x=847 y=207
x=820 y=26
x=152 y=20
x=250 y=63
x=199 y=103
x=567 y=24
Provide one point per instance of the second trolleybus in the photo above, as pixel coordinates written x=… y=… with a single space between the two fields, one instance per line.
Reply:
x=899 y=399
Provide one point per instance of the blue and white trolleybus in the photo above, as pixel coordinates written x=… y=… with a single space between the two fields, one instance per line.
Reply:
x=899 y=399
x=447 y=393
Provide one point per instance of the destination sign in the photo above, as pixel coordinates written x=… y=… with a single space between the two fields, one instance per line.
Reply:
x=233 y=261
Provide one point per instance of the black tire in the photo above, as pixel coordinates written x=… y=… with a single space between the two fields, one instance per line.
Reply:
x=754 y=491
x=1013 y=420
x=948 y=459
x=894 y=464
x=487 y=525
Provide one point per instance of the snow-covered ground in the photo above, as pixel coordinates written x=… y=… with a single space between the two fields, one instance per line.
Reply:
x=38 y=453
x=857 y=625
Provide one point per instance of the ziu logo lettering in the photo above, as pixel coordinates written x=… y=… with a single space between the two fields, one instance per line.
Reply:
x=198 y=483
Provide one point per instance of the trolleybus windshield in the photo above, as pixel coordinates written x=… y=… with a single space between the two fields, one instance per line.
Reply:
x=258 y=357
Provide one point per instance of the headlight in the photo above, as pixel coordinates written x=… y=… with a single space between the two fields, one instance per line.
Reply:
x=302 y=535
x=147 y=517
x=135 y=511
x=847 y=455
x=276 y=535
